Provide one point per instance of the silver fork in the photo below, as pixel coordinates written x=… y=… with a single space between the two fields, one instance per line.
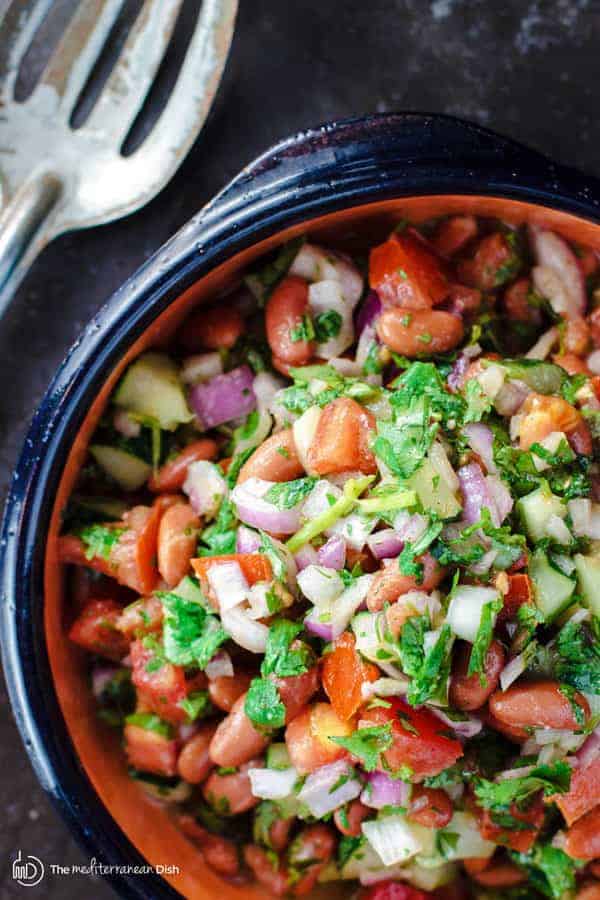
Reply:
x=55 y=178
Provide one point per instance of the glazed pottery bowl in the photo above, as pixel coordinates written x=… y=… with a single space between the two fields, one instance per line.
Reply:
x=342 y=184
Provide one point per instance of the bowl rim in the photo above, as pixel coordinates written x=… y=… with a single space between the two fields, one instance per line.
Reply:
x=331 y=167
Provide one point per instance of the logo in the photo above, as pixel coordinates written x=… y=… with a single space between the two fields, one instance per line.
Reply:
x=27 y=870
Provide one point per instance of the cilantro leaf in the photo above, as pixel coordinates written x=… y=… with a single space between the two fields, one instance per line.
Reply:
x=263 y=704
x=220 y=537
x=288 y=494
x=411 y=650
x=411 y=550
x=99 y=540
x=554 y=778
x=196 y=705
x=327 y=325
x=550 y=870
x=150 y=722
x=263 y=280
x=367 y=744
x=190 y=634
x=403 y=444
x=433 y=673
x=303 y=331
x=578 y=665
x=279 y=658
x=483 y=638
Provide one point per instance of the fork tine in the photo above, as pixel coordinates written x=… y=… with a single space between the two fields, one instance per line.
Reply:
x=71 y=63
x=135 y=70
x=18 y=26
x=190 y=102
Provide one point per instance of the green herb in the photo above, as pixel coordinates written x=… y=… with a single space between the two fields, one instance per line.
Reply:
x=367 y=744
x=578 y=663
x=263 y=281
x=554 y=778
x=327 y=325
x=196 y=705
x=288 y=494
x=411 y=550
x=150 y=722
x=263 y=705
x=99 y=540
x=412 y=654
x=190 y=634
x=549 y=870
x=403 y=444
x=571 y=385
x=446 y=843
x=478 y=402
x=280 y=658
x=220 y=538
x=372 y=364
x=432 y=676
x=571 y=694
x=483 y=639
x=353 y=488
x=303 y=331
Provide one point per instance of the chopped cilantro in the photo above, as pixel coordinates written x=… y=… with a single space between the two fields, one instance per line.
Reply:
x=327 y=325
x=288 y=494
x=578 y=663
x=498 y=796
x=99 y=540
x=263 y=280
x=367 y=744
x=483 y=639
x=150 y=722
x=190 y=634
x=303 y=331
x=280 y=659
x=263 y=705
x=196 y=705
x=549 y=870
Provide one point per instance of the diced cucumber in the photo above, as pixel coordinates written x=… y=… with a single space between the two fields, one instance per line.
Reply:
x=107 y=508
x=129 y=471
x=588 y=578
x=434 y=493
x=278 y=757
x=541 y=376
x=151 y=388
x=368 y=642
x=189 y=589
x=537 y=508
x=552 y=589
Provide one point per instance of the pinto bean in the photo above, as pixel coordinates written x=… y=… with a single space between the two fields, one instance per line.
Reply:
x=275 y=460
x=212 y=328
x=539 y=704
x=279 y=833
x=500 y=875
x=283 y=313
x=297 y=690
x=172 y=474
x=310 y=852
x=594 y=324
x=514 y=734
x=348 y=819
x=219 y=853
x=590 y=890
x=389 y=583
x=583 y=838
x=517 y=305
x=430 y=807
x=576 y=336
x=454 y=233
x=467 y=692
x=232 y=794
x=225 y=691
x=194 y=763
x=177 y=540
x=341 y=440
x=580 y=439
x=414 y=334
x=275 y=880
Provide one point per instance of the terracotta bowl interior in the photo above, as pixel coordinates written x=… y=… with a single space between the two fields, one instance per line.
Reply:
x=147 y=825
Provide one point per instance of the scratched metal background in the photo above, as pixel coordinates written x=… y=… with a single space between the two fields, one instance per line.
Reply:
x=529 y=68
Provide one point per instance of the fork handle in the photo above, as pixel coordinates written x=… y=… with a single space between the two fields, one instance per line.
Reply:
x=21 y=233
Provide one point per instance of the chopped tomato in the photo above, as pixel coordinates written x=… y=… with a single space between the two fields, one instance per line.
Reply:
x=464 y=300
x=341 y=441
x=454 y=233
x=172 y=474
x=583 y=838
x=519 y=840
x=344 y=673
x=517 y=305
x=141 y=617
x=96 y=631
x=161 y=685
x=307 y=737
x=255 y=567
x=419 y=739
x=519 y=593
x=150 y=752
x=405 y=272
x=491 y=266
x=588 y=260
x=394 y=890
x=583 y=794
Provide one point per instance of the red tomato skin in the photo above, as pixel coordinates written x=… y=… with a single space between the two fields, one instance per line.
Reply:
x=95 y=629
x=405 y=272
x=583 y=794
x=161 y=689
x=343 y=675
x=395 y=890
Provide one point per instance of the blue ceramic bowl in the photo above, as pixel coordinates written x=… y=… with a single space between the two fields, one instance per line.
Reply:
x=338 y=174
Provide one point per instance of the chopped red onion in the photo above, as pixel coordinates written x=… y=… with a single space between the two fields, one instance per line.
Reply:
x=381 y=790
x=568 y=294
x=333 y=553
x=125 y=425
x=365 y=344
x=475 y=494
x=368 y=311
x=459 y=369
x=320 y=793
x=101 y=675
x=481 y=439
x=500 y=495
x=205 y=487
x=186 y=730
x=220 y=666
x=463 y=728
x=385 y=544
x=246 y=540
x=514 y=773
x=323 y=630
x=224 y=397
x=253 y=509
x=409 y=527
x=306 y=556
x=511 y=397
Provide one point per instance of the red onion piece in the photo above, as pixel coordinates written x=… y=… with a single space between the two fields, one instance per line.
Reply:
x=333 y=553
x=481 y=440
x=553 y=252
x=475 y=494
x=254 y=510
x=511 y=397
x=306 y=556
x=368 y=311
x=220 y=666
x=101 y=675
x=463 y=361
x=246 y=541
x=324 y=630
x=385 y=544
x=384 y=791
x=464 y=728
x=224 y=397
x=500 y=495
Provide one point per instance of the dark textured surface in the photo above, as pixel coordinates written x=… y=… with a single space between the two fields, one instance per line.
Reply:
x=528 y=69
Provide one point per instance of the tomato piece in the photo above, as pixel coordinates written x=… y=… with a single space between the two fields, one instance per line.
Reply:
x=255 y=567
x=491 y=266
x=95 y=629
x=454 y=233
x=161 y=686
x=307 y=737
x=517 y=305
x=150 y=752
x=519 y=592
x=583 y=794
x=141 y=617
x=341 y=441
x=405 y=272
x=343 y=675
x=395 y=890
x=212 y=328
x=520 y=841
x=583 y=838
x=419 y=739
x=172 y=474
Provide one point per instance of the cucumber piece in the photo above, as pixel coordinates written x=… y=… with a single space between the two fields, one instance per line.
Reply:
x=553 y=591
x=434 y=494
x=588 y=578
x=152 y=388
x=189 y=589
x=540 y=376
x=108 y=508
x=537 y=508
x=129 y=471
x=278 y=757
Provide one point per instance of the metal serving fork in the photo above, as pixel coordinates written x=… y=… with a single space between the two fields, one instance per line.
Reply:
x=55 y=178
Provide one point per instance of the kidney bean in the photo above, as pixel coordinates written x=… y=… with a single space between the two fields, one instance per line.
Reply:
x=279 y=833
x=236 y=740
x=576 y=337
x=275 y=880
x=589 y=891
x=500 y=875
x=224 y=691
x=177 y=540
x=539 y=704
x=212 y=328
x=297 y=690
x=284 y=312
x=348 y=818
x=430 y=807
x=172 y=474
x=454 y=233
x=150 y=752
x=580 y=439
x=594 y=868
x=517 y=305
x=232 y=794
x=583 y=838
x=467 y=692
x=341 y=440
x=275 y=460
x=514 y=734
x=194 y=763
x=219 y=853
x=389 y=584
x=413 y=334
x=593 y=321
x=572 y=364
x=310 y=852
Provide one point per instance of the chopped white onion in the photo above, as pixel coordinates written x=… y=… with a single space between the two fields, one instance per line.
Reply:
x=557 y=530
x=464 y=611
x=201 y=367
x=355 y=529
x=491 y=380
x=265 y=387
x=593 y=362
x=319 y=584
x=320 y=794
x=513 y=670
x=326 y=296
x=551 y=443
x=315 y=264
x=228 y=584
x=544 y=345
x=384 y=687
x=257 y=599
x=205 y=487
x=220 y=666
x=317 y=501
x=585 y=516
x=349 y=368
x=365 y=344
x=125 y=425
x=253 y=509
x=392 y=838
x=304 y=430
x=244 y=631
x=272 y=784
x=466 y=727
x=344 y=607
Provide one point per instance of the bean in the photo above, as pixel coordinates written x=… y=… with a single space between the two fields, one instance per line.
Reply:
x=514 y=734
x=348 y=818
x=500 y=874
x=275 y=880
x=589 y=891
x=310 y=852
x=467 y=692
x=517 y=305
x=389 y=583
x=453 y=233
x=279 y=833
x=342 y=440
x=284 y=312
x=413 y=334
x=177 y=540
x=594 y=324
x=572 y=364
x=232 y=794
x=576 y=337
x=296 y=691
x=212 y=328
x=194 y=763
x=583 y=838
x=224 y=691
x=236 y=740
x=150 y=752
x=172 y=474
x=430 y=807
x=539 y=704
x=580 y=439
x=475 y=864
x=141 y=617
x=275 y=460
x=219 y=853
